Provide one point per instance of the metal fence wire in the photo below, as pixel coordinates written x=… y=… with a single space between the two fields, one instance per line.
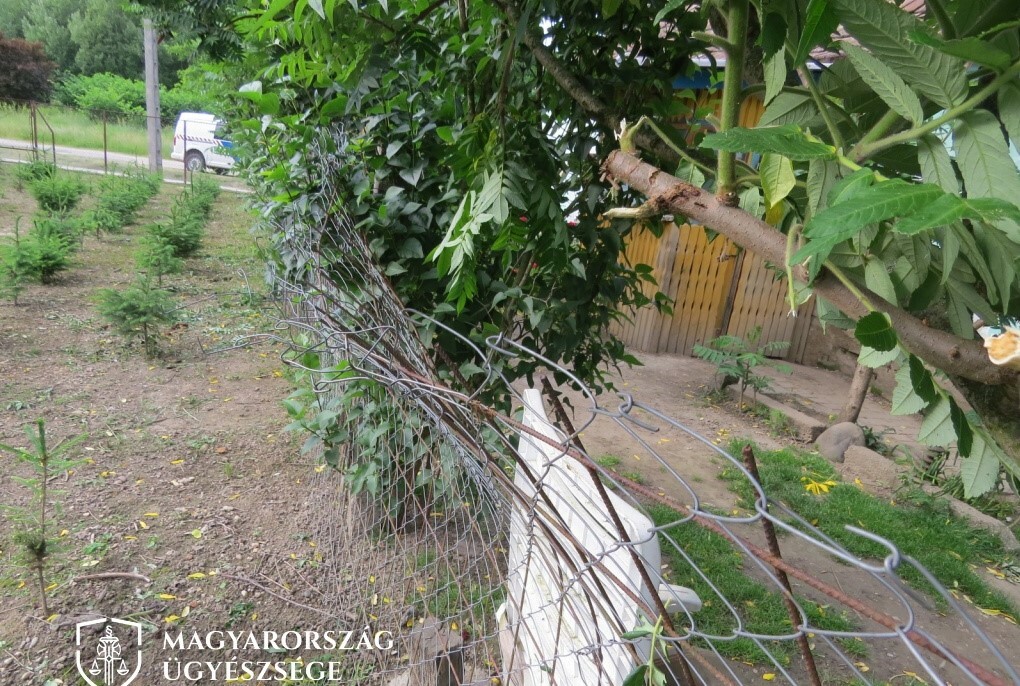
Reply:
x=499 y=551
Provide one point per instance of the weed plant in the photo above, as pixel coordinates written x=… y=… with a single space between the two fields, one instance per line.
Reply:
x=33 y=171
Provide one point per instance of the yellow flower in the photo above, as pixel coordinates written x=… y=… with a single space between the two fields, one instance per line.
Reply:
x=817 y=487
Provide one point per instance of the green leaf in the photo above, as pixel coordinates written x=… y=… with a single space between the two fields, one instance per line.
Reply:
x=777 y=179
x=875 y=331
x=876 y=277
x=334 y=107
x=886 y=83
x=819 y=23
x=822 y=176
x=964 y=433
x=773 y=34
x=1002 y=256
x=951 y=208
x=937 y=426
x=671 y=6
x=869 y=357
x=750 y=201
x=904 y=400
x=791 y=108
x=609 y=7
x=936 y=166
x=1009 y=110
x=984 y=161
x=970 y=48
x=884 y=29
x=316 y=5
x=882 y=201
x=775 y=76
x=851 y=185
x=921 y=379
x=980 y=470
x=787 y=140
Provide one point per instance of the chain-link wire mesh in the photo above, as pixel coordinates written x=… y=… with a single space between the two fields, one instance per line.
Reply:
x=498 y=550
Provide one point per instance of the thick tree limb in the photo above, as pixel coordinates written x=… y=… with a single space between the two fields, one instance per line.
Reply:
x=949 y=353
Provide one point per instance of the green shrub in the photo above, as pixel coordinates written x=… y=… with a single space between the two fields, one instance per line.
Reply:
x=33 y=171
x=120 y=198
x=158 y=257
x=121 y=98
x=138 y=311
x=48 y=252
x=67 y=228
x=15 y=266
x=57 y=193
x=183 y=233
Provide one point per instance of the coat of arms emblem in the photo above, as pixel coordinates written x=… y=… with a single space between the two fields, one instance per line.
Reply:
x=112 y=659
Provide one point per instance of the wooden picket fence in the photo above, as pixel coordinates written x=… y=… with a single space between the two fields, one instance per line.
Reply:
x=716 y=289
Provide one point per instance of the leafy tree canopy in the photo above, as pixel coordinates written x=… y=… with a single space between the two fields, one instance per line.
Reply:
x=24 y=69
x=471 y=131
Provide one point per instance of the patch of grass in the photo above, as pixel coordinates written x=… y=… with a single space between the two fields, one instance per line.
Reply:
x=778 y=424
x=609 y=461
x=77 y=130
x=760 y=610
x=922 y=528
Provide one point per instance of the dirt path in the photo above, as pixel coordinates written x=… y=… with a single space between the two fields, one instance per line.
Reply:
x=185 y=466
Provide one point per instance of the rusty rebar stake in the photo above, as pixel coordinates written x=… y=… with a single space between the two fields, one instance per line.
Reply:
x=791 y=605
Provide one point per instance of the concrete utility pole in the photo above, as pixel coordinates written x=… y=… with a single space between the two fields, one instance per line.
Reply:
x=152 y=98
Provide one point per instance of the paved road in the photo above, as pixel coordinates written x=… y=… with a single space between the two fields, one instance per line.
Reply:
x=83 y=159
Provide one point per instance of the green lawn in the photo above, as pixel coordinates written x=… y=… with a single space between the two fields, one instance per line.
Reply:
x=76 y=129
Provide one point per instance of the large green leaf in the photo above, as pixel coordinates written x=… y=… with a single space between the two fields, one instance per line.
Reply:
x=791 y=108
x=1002 y=256
x=937 y=426
x=876 y=278
x=984 y=161
x=875 y=331
x=886 y=83
x=947 y=209
x=936 y=165
x=970 y=48
x=980 y=471
x=822 y=176
x=775 y=76
x=921 y=379
x=777 y=179
x=819 y=23
x=904 y=399
x=1009 y=110
x=787 y=140
x=869 y=357
x=879 y=202
x=884 y=29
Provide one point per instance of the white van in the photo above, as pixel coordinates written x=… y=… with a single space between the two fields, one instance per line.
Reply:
x=198 y=145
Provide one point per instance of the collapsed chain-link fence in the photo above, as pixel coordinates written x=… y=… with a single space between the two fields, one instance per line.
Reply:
x=497 y=550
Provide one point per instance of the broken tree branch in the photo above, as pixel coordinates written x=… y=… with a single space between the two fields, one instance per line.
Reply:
x=954 y=355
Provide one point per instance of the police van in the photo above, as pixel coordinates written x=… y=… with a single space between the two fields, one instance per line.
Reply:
x=198 y=144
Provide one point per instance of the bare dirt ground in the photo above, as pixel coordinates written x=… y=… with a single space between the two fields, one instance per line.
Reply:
x=187 y=479
x=185 y=470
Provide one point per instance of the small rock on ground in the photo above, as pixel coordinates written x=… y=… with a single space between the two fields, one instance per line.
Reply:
x=834 y=441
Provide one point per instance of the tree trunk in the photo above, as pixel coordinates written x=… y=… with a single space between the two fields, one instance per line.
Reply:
x=858 y=392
